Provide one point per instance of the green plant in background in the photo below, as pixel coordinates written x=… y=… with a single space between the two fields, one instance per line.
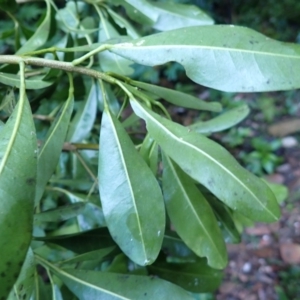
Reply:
x=108 y=211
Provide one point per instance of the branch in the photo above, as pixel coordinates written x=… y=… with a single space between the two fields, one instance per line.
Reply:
x=54 y=64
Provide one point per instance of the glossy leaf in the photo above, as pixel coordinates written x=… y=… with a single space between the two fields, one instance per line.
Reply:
x=187 y=205
x=61 y=213
x=196 y=277
x=175 y=15
x=130 y=195
x=82 y=123
x=223 y=121
x=40 y=36
x=228 y=58
x=82 y=242
x=17 y=184
x=50 y=151
x=212 y=166
x=178 y=98
x=110 y=61
x=24 y=285
x=13 y=80
x=88 y=285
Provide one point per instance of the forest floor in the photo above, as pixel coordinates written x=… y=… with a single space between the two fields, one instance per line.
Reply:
x=266 y=264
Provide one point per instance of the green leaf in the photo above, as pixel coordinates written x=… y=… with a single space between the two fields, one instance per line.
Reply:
x=223 y=121
x=186 y=205
x=175 y=15
x=280 y=191
x=82 y=242
x=196 y=277
x=110 y=62
x=60 y=213
x=17 y=185
x=82 y=123
x=51 y=149
x=35 y=83
x=40 y=36
x=99 y=254
x=225 y=220
x=130 y=195
x=149 y=152
x=24 y=285
x=212 y=166
x=228 y=58
x=178 y=98
x=88 y=285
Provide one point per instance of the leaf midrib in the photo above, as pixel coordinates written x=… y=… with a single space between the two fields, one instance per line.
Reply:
x=130 y=187
x=193 y=209
x=206 y=155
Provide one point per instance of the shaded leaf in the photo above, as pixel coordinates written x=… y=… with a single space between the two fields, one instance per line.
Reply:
x=82 y=242
x=178 y=98
x=187 y=205
x=229 y=58
x=130 y=195
x=82 y=123
x=223 y=121
x=24 y=285
x=35 y=83
x=40 y=36
x=212 y=166
x=50 y=151
x=17 y=184
x=108 y=286
x=60 y=213
x=196 y=277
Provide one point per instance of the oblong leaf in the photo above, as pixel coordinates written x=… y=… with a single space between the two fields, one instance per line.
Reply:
x=223 y=121
x=61 y=213
x=18 y=152
x=31 y=83
x=211 y=165
x=178 y=98
x=84 y=119
x=187 y=205
x=51 y=149
x=195 y=277
x=130 y=195
x=88 y=285
x=228 y=58
x=40 y=36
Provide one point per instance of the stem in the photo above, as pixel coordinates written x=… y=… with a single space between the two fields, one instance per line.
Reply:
x=55 y=64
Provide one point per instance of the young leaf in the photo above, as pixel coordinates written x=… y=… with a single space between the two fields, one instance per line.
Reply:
x=130 y=195
x=88 y=285
x=40 y=36
x=186 y=205
x=82 y=124
x=195 y=277
x=49 y=153
x=178 y=98
x=17 y=184
x=228 y=58
x=223 y=121
x=24 y=285
x=212 y=166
